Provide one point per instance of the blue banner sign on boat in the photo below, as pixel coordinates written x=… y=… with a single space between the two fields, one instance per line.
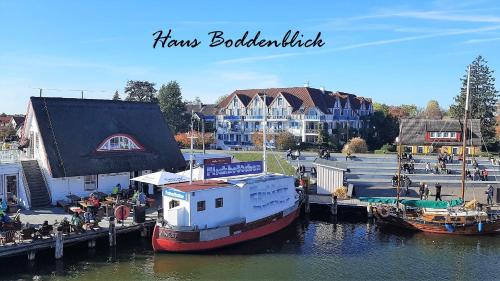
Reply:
x=233 y=169
x=174 y=193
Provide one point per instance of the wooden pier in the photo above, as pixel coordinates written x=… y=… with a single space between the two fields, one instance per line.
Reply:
x=58 y=241
x=340 y=206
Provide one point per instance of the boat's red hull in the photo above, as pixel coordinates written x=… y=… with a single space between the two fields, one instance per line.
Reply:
x=171 y=245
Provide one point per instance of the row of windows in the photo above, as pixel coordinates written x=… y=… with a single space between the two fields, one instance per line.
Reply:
x=201 y=205
x=443 y=135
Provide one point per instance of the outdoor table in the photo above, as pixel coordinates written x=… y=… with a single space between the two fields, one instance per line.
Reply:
x=75 y=209
x=73 y=198
x=101 y=195
x=83 y=204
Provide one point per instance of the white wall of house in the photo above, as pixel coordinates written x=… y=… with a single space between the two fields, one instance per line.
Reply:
x=13 y=169
x=61 y=187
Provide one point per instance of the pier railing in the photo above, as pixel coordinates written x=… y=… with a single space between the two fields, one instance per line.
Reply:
x=9 y=156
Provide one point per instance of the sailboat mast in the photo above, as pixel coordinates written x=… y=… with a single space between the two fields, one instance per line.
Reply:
x=191 y=151
x=464 y=133
x=264 y=127
x=398 y=141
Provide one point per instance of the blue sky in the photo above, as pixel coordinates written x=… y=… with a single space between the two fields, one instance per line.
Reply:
x=392 y=51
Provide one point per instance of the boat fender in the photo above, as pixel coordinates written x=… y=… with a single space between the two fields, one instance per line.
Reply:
x=383 y=212
x=480 y=227
x=449 y=227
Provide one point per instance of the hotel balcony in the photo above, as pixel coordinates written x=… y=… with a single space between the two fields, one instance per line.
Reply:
x=276 y=130
x=278 y=117
x=314 y=118
x=312 y=131
x=253 y=118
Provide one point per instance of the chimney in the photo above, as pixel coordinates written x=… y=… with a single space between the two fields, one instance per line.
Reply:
x=306 y=84
x=322 y=89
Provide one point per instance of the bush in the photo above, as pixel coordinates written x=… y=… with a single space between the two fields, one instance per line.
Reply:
x=355 y=145
x=388 y=147
x=285 y=141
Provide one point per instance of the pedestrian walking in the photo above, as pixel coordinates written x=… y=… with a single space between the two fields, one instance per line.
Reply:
x=426 y=192
x=407 y=185
x=421 y=190
x=490 y=195
x=438 y=192
x=485 y=174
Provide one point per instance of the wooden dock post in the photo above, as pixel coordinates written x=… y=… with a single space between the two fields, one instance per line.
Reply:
x=369 y=210
x=31 y=255
x=91 y=244
x=333 y=207
x=307 y=205
x=59 y=244
x=112 y=232
x=144 y=231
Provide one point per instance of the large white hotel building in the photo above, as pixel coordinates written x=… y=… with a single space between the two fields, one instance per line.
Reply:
x=298 y=110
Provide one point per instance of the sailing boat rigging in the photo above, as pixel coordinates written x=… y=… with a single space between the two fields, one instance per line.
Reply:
x=453 y=217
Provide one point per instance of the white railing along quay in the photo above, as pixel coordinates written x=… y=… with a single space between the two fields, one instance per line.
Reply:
x=9 y=156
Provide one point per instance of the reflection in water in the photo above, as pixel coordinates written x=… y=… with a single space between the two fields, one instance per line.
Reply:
x=313 y=248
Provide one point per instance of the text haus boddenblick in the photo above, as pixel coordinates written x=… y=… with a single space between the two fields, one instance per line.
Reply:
x=290 y=39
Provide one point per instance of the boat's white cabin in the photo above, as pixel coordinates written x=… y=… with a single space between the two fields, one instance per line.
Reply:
x=208 y=204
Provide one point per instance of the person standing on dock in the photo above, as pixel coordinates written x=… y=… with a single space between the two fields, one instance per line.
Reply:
x=426 y=192
x=421 y=190
x=489 y=199
x=438 y=192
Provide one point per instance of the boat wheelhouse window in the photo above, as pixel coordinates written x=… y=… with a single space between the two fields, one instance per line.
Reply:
x=219 y=202
x=119 y=142
x=201 y=206
x=173 y=203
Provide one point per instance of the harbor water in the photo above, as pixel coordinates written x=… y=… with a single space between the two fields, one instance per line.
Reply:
x=314 y=248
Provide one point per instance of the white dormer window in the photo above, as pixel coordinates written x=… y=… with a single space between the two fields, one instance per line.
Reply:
x=119 y=143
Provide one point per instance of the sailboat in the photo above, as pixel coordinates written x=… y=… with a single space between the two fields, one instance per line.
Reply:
x=452 y=217
x=210 y=214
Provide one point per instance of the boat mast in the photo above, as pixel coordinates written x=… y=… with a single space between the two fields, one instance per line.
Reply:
x=398 y=141
x=464 y=132
x=264 y=127
x=191 y=150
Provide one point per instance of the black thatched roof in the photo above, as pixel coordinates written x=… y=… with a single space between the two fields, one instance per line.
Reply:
x=413 y=131
x=79 y=126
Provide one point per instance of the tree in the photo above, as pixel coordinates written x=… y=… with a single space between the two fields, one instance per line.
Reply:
x=116 y=96
x=323 y=136
x=403 y=111
x=482 y=100
x=140 y=91
x=221 y=99
x=355 y=145
x=196 y=100
x=285 y=141
x=257 y=139
x=183 y=140
x=383 y=127
x=173 y=108
x=433 y=111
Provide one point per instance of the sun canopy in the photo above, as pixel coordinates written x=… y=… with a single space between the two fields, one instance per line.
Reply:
x=414 y=203
x=161 y=178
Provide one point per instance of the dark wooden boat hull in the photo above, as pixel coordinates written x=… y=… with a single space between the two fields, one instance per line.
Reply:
x=396 y=222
